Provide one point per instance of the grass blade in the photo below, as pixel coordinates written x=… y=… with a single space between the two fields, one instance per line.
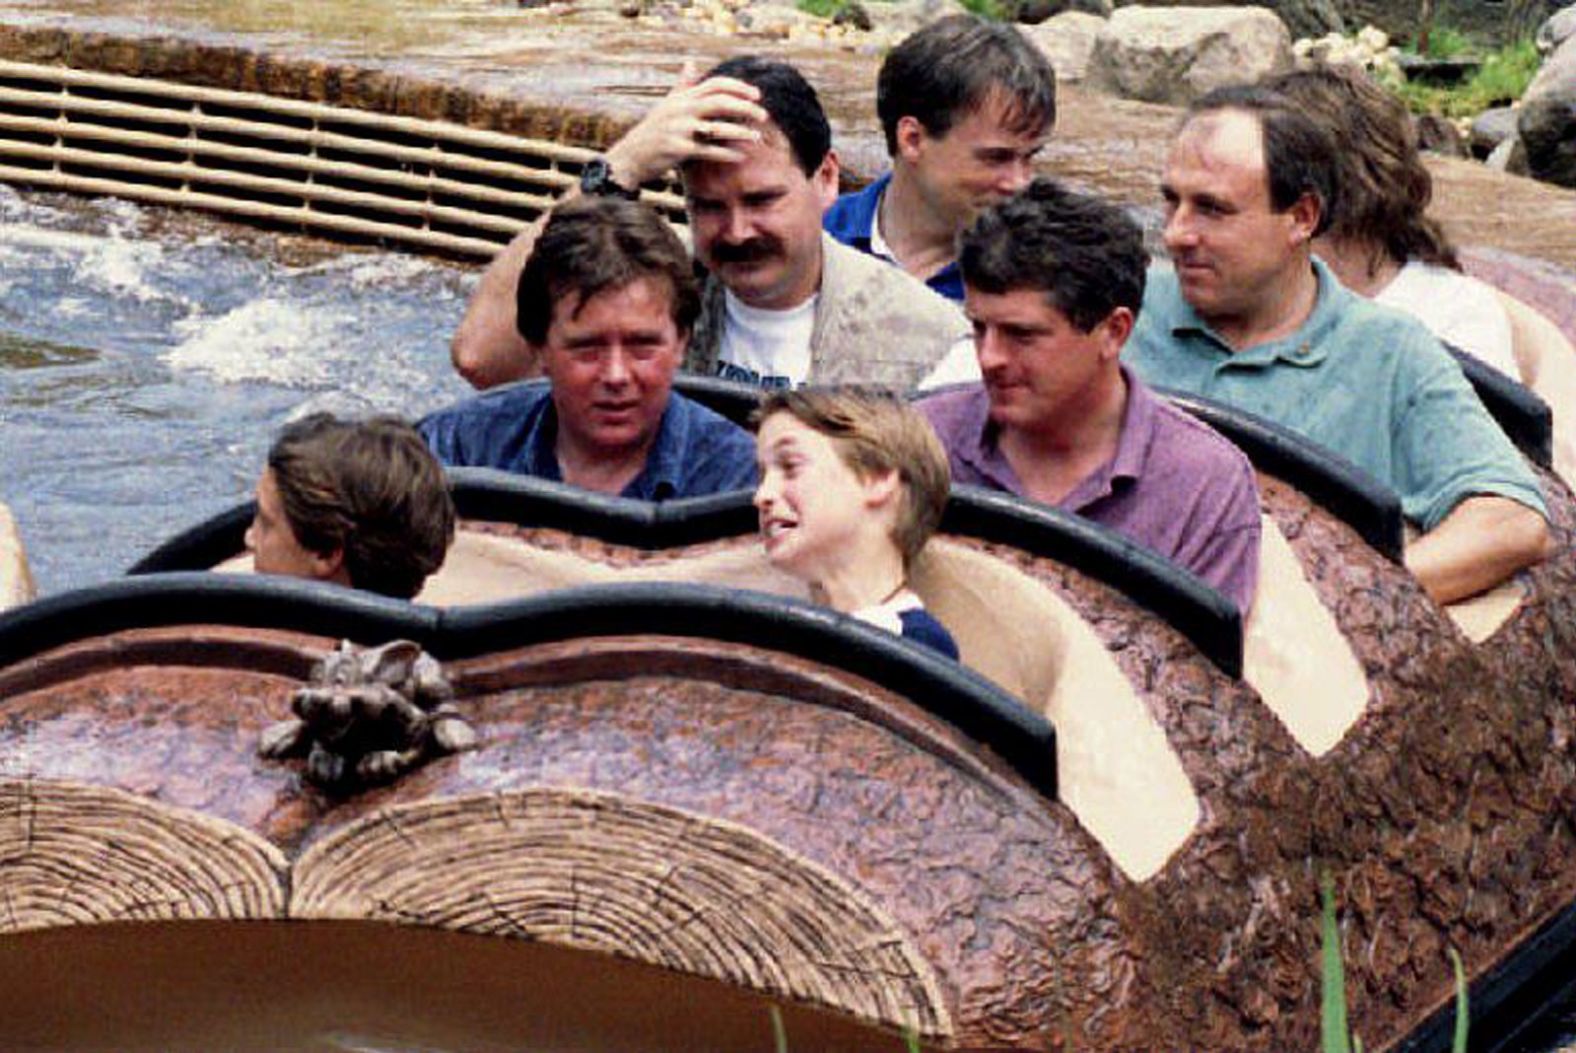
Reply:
x=779 y=1032
x=1459 y=1043
x=1335 y=1036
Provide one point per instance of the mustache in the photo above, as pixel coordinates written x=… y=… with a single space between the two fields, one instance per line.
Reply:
x=752 y=251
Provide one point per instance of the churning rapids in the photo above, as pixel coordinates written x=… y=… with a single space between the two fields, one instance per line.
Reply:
x=147 y=357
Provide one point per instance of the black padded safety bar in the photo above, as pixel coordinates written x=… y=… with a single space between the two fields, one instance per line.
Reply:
x=953 y=693
x=733 y=399
x=1522 y=415
x=940 y=686
x=1205 y=617
x=203 y=546
x=1509 y=999
x=1348 y=492
x=1202 y=615
x=504 y=497
x=201 y=598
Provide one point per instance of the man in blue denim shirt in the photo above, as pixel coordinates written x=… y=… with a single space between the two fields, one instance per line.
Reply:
x=605 y=303
x=965 y=104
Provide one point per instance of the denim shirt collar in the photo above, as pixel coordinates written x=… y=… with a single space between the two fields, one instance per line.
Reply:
x=658 y=479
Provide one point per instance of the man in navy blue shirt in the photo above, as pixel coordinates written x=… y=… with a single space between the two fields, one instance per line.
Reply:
x=965 y=105
x=605 y=305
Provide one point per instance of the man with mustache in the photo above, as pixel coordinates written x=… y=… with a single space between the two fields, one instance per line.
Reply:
x=605 y=303
x=965 y=105
x=1251 y=318
x=783 y=303
x=1053 y=281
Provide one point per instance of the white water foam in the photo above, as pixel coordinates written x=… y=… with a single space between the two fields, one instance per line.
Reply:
x=367 y=272
x=271 y=340
x=122 y=268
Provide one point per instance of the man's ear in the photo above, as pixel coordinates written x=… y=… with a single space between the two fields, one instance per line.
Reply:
x=1115 y=328
x=534 y=362
x=1305 y=214
x=910 y=138
x=825 y=179
x=329 y=566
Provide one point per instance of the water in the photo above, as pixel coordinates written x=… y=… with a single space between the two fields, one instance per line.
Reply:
x=147 y=357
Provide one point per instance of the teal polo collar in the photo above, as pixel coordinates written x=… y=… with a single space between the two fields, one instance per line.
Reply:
x=1306 y=347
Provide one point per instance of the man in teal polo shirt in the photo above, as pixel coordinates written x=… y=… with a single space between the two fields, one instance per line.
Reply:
x=1249 y=318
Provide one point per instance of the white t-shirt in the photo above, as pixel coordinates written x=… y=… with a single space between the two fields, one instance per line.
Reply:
x=1458 y=309
x=764 y=347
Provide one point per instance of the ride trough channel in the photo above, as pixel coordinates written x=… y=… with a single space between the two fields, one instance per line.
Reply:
x=673 y=794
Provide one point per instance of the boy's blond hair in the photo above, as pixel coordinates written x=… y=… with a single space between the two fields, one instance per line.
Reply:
x=876 y=432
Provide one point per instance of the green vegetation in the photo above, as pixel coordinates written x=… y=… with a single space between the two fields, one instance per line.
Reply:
x=1445 y=43
x=822 y=8
x=1504 y=75
x=1335 y=1037
x=993 y=9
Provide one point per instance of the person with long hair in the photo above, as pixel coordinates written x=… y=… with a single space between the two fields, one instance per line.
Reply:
x=1381 y=242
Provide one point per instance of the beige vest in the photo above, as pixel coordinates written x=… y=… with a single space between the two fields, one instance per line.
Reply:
x=874 y=323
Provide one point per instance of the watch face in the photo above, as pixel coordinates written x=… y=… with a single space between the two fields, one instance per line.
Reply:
x=596 y=179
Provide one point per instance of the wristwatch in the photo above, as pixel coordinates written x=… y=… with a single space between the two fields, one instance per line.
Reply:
x=596 y=180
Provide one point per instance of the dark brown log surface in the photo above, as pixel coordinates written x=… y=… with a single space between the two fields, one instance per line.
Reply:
x=1443 y=815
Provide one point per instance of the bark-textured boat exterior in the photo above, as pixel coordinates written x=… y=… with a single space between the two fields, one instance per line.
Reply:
x=1114 y=842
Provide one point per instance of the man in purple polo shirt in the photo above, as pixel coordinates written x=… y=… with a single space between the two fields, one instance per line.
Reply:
x=1053 y=281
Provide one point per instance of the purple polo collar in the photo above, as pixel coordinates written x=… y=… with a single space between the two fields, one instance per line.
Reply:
x=1132 y=447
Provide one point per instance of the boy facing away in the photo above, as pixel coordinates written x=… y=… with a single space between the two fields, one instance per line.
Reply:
x=357 y=503
x=852 y=486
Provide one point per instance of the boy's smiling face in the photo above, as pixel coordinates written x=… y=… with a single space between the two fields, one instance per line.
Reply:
x=812 y=505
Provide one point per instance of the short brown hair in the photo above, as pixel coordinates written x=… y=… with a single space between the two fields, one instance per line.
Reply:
x=370 y=489
x=943 y=71
x=598 y=244
x=878 y=432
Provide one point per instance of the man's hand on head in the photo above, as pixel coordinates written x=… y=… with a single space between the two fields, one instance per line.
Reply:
x=699 y=120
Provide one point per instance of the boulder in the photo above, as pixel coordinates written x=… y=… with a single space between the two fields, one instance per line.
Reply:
x=1439 y=135
x=1509 y=156
x=1490 y=128
x=1547 y=124
x=1033 y=12
x=1068 y=41
x=1560 y=27
x=1175 y=55
x=900 y=18
x=1304 y=18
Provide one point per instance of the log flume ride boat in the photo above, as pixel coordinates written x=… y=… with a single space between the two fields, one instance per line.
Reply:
x=692 y=794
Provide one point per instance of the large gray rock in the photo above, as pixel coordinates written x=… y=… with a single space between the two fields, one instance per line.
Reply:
x=1492 y=127
x=1033 y=12
x=1068 y=41
x=898 y=19
x=1560 y=27
x=1304 y=18
x=1508 y=156
x=1547 y=125
x=1174 y=55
